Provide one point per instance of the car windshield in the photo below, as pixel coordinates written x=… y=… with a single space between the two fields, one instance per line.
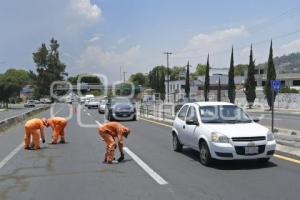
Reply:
x=223 y=114
x=120 y=100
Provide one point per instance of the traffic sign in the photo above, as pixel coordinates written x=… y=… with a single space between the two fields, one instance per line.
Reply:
x=276 y=85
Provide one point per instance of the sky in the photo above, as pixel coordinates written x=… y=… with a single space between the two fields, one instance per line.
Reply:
x=102 y=36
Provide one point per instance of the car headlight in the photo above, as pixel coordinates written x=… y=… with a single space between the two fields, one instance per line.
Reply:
x=270 y=136
x=219 y=138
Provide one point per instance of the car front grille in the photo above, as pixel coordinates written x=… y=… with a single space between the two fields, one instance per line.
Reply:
x=248 y=139
x=240 y=150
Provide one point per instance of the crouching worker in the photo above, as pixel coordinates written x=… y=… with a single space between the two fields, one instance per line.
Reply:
x=32 y=129
x=58 y=125
x=109 y=131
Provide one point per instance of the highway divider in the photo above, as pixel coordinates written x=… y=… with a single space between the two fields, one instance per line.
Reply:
x=6 y=123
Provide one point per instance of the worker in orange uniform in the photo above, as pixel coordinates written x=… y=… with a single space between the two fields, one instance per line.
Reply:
x=109 y=131
x=58 y=125
x=32 y=128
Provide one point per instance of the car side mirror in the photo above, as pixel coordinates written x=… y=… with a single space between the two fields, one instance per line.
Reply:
x=192 y=122
x=256 y=120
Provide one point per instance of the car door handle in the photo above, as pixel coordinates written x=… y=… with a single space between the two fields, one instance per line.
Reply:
x=183 y=126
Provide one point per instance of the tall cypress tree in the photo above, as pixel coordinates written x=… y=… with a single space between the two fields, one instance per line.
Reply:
x=206 y=83
x=271 y=75
x=187 y=81
x=231 y=84
x=250 y=84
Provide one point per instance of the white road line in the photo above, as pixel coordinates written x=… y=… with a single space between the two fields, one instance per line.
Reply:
x=98 y=123
x=16 y=150
x=145 y=167
x=10 y=155
x=88 y=114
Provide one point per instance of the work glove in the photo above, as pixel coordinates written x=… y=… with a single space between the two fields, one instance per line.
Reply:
x=121 y=158
x=44 y=141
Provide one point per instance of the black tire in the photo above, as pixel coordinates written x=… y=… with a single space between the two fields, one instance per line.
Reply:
x=204 y=154
x=177 y=146
x=264 y=160
x=134 y=118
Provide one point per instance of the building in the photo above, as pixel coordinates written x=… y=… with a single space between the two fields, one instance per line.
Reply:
x=288 y=79
x=177 y=87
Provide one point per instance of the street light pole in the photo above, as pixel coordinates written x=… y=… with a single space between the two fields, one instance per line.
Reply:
x=219 y=90
x=168 y=75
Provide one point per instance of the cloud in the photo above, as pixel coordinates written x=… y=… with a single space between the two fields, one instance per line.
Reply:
x=86 y=9
x=215 y=40
x=122 y=40
x=293 y=46
x=95 y=59
x=95 y=38
x=216 y=43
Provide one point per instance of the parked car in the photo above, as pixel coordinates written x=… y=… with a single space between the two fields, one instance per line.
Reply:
x=92 y=103
x=222 y=131
x=30 y=104
x=120 y=108
x=102 y=106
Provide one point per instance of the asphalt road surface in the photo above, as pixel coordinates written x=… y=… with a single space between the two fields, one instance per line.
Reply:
x=15 y=112
x=285 y=121
x=75 y=170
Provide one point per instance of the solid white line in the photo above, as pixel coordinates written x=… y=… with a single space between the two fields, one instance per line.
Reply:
x=10 y=155
x=17 y=149
x=145 y=167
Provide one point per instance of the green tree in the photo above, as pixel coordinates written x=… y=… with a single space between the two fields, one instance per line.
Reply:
x=187 y=82
x=206 y=83
x=48 y=66
x=157 y=80
x=85 y=78
x=177 y=73
x=239 y=70
x=250 y=84
x=231 y=84
x=200 y=70
x=138 y=79
x=271 y=75
x=11 y=83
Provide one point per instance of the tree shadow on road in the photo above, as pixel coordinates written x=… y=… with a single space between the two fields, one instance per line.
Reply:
x=230 y=165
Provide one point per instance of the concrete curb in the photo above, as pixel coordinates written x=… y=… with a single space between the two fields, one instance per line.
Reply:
x=5 y=124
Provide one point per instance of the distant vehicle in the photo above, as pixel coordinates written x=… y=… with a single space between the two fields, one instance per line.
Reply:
x=92 y=103
x=87 y=99
x=45 y=100
x=102 y=106
x=30 y=104
x=120 y=108
x=222 y=131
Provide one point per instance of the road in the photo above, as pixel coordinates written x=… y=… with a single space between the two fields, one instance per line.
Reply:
x=75 y=170
x=15 y=111
x=284 y=121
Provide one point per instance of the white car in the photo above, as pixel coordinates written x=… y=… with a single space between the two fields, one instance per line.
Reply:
x=223 y=131
x=92 y=103
x=102 y=106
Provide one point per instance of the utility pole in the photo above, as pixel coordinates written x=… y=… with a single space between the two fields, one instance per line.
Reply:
x=168 y=75
x=187 y=81
x=124 y=73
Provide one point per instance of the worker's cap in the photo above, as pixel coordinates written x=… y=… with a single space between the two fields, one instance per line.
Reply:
x=126 y=132
x=45 y=121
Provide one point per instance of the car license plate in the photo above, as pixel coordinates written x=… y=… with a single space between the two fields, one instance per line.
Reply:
x=251 y=150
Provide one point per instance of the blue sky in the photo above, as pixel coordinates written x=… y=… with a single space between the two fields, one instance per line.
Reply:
x=99 y=36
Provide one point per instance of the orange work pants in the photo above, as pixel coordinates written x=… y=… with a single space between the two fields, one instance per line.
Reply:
x=110 y=147
x=35 y=137
x=58 y=131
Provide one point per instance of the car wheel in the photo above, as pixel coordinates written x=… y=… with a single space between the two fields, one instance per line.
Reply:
x=134 y=118
x=176 y=143
x=204 y=154
x=263 y=160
